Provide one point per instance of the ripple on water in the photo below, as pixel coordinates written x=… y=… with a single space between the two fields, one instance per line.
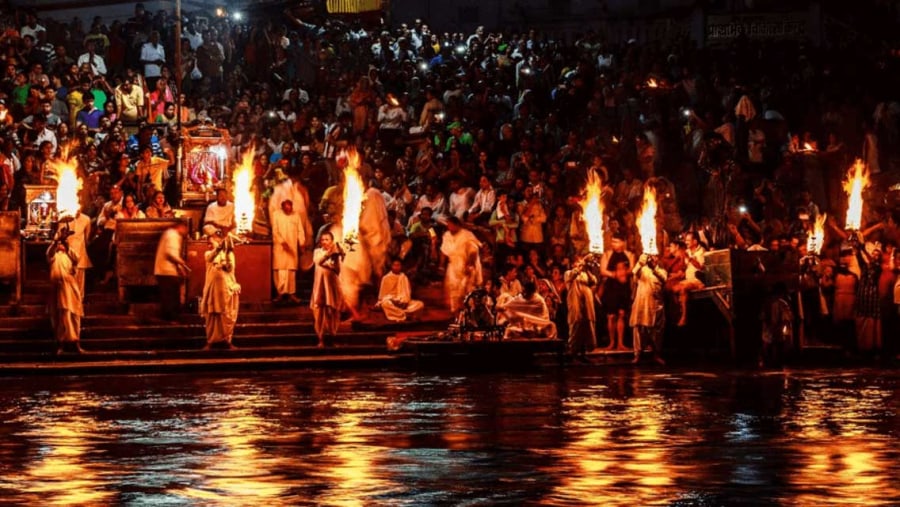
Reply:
x=602 y=437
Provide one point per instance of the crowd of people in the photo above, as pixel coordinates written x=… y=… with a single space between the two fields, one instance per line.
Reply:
x=480 y=146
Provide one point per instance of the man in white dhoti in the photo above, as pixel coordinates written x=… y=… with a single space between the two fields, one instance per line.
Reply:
x=648 y=312
x=581 y=283
x=527 y=315
x=65 y=305
x=286 y=233
x=294 y=191
x=460 y=249
x=219 y=215
x=220 y=301
x=81 y=233
x=326 y=299
x=395 y=294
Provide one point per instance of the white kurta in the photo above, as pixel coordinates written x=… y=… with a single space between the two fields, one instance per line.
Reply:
x=395 y=297
x=463 y=273
x=286 y=232
x=65 y=298
x=375 y=230
x=299 y=197
x=221 y=297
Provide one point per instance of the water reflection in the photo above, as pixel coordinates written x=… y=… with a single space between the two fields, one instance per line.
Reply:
x=67 y=467
x=602 y=437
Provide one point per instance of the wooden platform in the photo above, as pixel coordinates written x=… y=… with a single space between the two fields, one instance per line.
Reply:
x=500 y=354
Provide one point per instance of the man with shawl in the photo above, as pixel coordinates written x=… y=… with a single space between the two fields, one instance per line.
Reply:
x=647 y=310
x=221 y=293
x=65 y=298
x=326 y=298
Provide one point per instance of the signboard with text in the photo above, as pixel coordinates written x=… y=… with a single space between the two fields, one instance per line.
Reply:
x=784 y=26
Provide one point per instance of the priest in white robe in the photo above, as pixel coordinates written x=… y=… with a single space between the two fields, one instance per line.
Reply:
x=65 y=305
x=462 y=262
x=294 y=191
x=527 y=315
x=287 y=237
x=220 y=301
x=395 y=294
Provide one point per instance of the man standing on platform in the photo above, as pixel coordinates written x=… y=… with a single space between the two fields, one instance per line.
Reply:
x=169 y=270
x=461 y=262
x=81 y=232
x=65 y=303
x=286 y=240
x=326 y=300
x=220 y=302
x=648 y=312
x=581 y=283
x=219 y=217
x=395 y=294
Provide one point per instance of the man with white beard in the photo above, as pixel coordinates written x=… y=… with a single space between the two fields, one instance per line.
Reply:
x=287 y=236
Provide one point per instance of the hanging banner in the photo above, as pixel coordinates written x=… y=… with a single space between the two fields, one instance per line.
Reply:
x=352 y=6
x=785 y=26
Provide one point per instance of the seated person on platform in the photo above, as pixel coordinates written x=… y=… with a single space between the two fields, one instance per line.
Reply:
x=219 y=215
x=527 y=315
x=694 y=262
x=510 y=286
x=395 y=293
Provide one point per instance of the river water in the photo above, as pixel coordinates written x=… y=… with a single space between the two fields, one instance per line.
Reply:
x=588 y=436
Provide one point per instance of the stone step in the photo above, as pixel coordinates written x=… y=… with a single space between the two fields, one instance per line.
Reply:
x=194 y=338
x=334 y=358
x=47 y=355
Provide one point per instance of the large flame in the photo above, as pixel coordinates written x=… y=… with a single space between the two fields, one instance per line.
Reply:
x=651 y=83
x=854 y=186
x=244 y=199
x=68 y=184
x=592 y=205
x=353 y=198
x=646 y=222
x=816 y=238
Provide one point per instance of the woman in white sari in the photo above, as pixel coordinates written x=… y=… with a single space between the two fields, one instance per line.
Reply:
x=221 y=293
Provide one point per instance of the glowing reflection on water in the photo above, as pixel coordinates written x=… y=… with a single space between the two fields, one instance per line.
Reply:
x=603 y=437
